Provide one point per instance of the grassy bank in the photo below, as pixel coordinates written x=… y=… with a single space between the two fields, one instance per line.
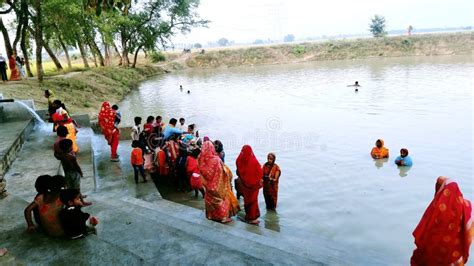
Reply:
x=417 y=45
x=82 y=92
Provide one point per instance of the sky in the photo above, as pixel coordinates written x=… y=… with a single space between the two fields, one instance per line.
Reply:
x=247 y=20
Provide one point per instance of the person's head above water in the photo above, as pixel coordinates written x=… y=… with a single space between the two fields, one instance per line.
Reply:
x=173 y=121
x=189 y=91
x=356 y=83
x=115 y=107
x=138 y=120
x=379 y=143
x=158 y=119
x=404 y=153
x=181 y=121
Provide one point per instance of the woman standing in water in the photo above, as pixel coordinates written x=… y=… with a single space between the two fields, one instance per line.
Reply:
x=271 y=176
x=216 y=198
x=445 y=231
x=249 y=183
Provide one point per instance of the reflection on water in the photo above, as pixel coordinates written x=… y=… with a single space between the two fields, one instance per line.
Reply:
x=379 y=162
x=322 y=133
x=403 y=170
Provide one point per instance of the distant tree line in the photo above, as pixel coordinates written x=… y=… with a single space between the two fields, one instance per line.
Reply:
x=100 y=28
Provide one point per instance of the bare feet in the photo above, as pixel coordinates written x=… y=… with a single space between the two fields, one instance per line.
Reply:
x=254 y=222
x=226 y=220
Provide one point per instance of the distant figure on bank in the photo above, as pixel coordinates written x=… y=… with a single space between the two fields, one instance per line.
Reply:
x=136 y=159
x=403 y=159
x=356 y=85
x=171 y=129
x=14 y=72
x=271 y=177
x=379 y=151
x=118 y=115
x=49 y=206
x=249 y=182
x=3 y=68
x=445 y=231
x=109 y=130
x=216 y=199
x=71 y=216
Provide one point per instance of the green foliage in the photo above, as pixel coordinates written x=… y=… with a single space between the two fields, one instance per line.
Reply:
x=157 y=57
x=299 y=50
x=377 y=26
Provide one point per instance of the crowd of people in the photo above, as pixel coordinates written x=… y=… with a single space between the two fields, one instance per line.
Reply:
x=16 y=65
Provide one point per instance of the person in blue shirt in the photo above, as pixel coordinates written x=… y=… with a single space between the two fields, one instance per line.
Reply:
x=171 y=129
x=403 y=159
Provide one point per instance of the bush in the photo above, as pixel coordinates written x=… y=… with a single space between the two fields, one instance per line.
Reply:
x=299 y=50
x=157 y=57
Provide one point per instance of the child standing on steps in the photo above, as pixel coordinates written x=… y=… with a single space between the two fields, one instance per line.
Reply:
x=136 y=159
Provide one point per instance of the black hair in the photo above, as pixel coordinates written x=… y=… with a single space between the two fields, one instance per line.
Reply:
x=115 y=107
x=150 y=119
x=65 y=145
x=218 y=146
x=68 y=195
x=195 y=153
x=173 y=121
x=158 y=117
x=41 y=183
x=47 y=92
x=56 y=184
x=138 y=120
x=191 y=126
x=62 y=131
x=57 y=102
x=181 y=119
x=135 y=144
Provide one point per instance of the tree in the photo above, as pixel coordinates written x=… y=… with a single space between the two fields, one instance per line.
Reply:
x=39 y=39
x=410 y=29
x=223 y=42
x=197 y=45
x=377 y=26
x=289 y=38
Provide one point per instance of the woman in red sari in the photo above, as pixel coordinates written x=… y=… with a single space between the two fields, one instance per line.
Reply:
x=111 y=132
x=249 y=182
x=216 y=199
x=445 y=231
x=271 y=176
x=14 y=73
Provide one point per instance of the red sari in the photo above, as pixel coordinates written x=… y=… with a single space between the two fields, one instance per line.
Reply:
x=111 y=133
x=271 y=176
x=14 y=73
x=193 y=173
x=250 y=176
x=445 y=231
x=216 y=200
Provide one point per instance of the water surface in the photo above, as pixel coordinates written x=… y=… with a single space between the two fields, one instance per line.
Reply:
x=322 y=132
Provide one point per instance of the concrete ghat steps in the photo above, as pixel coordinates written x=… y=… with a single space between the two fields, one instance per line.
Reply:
x=270 y=246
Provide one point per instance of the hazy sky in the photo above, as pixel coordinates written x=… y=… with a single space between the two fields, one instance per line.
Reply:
x=247 y=20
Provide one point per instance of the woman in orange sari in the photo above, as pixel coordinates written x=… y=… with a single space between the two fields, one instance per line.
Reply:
x=250 y=181
x=271 y=176
x=445 y=231
x=379 y=151
x=111 y=133
x=216 y=199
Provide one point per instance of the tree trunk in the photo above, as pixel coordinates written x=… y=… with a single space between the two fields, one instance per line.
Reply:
x=136 y=56
x=95 y=58
x=6 y=38
x=125 y=60
x=96 y=51
x=106 y=54
x=51 y=54
x=118 y=54
x=39 y=40
x=66 y=52
x=24 y=50
x=83 y=51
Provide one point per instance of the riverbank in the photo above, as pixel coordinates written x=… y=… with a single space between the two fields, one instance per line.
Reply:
x=83 y=92
x=397 y=46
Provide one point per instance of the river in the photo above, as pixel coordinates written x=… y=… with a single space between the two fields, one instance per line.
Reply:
x=322 y=132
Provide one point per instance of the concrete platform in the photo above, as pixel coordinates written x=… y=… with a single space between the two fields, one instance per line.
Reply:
x=12 y=137
x=138 y=227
